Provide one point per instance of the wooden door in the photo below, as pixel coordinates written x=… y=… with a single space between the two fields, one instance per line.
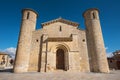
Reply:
x=60 y=63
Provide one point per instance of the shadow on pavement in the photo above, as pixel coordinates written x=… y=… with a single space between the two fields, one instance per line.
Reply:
x=6 y=70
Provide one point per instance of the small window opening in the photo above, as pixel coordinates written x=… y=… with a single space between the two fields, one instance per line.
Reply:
x=94 y=16
x=83 y=40
x=60 y=28
x=28 y=14
x=36 y=40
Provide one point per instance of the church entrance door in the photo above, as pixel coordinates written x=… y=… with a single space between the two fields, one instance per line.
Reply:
x=60 y=63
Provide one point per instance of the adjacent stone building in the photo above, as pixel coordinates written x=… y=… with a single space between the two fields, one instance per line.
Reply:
x=4 y=60
x=114 y=61
x=60 y=45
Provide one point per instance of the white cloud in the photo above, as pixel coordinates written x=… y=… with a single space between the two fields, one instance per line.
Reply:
x=109 y=54
x=106 y=48
x=11 y=51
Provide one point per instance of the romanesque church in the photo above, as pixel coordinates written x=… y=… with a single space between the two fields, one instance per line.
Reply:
x=60 y=45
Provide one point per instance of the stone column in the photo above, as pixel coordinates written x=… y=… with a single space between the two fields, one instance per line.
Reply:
x=95 y=43
x=24 y=44
x=44 y=45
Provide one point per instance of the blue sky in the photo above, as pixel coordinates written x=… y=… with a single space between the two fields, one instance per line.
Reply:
x=10 y=17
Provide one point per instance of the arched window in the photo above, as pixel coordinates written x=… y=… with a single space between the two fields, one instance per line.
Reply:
x=28 y=14
x=94 y=16
x=60 y=29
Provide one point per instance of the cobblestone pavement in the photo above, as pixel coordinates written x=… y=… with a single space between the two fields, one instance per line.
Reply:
x=113 y=75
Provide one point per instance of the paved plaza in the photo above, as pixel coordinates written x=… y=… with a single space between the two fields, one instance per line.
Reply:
x=60 y=75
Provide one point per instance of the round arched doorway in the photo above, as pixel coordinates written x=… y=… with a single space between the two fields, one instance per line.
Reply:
x=60 y=59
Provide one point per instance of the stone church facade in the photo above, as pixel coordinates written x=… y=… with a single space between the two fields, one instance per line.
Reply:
x=60 y=45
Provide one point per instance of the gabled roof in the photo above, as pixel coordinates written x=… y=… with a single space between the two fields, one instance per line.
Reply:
x=61 y=20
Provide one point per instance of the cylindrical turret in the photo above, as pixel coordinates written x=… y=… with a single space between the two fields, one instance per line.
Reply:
x=28 y=24
x=95 y=43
